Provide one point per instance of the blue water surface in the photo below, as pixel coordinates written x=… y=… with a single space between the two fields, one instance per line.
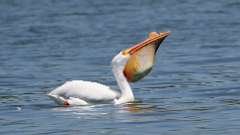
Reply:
x=193 y=88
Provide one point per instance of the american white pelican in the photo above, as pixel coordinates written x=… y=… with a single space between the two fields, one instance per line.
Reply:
x=129 y=65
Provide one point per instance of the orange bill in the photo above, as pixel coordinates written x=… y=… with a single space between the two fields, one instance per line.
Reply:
x=142 y=56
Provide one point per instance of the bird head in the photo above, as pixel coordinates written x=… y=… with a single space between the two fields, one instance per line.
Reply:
x=138 y=60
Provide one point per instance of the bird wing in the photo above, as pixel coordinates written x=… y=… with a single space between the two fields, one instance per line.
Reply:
x=85 y=90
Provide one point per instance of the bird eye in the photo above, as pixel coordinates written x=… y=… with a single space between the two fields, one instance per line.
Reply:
x=125 y=53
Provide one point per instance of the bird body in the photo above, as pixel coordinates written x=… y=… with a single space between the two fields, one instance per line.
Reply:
x=85 y=90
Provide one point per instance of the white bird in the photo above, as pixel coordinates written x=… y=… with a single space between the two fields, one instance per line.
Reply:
x=129 y=65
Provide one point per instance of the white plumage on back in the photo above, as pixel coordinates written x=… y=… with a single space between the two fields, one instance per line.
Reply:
x=84 y=90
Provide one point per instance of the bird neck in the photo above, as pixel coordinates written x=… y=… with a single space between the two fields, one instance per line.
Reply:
x=126 y=91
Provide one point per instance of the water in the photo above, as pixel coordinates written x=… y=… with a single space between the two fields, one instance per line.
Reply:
x=193 y=89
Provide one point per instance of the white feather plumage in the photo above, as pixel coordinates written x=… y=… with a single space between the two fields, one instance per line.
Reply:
x=85 y=90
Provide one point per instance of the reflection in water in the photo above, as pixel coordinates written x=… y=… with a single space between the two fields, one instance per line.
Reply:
x=138 y=108
x=130 y=107
x=78 y=109
x=101 y=110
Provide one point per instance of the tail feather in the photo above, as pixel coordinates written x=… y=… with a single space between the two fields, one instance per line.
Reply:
x=59 y=100
x=67 y=102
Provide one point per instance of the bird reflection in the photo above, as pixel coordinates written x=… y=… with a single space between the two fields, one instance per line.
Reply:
x=137 y=107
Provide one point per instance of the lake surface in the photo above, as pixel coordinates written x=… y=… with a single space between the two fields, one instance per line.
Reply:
x=193 y=89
